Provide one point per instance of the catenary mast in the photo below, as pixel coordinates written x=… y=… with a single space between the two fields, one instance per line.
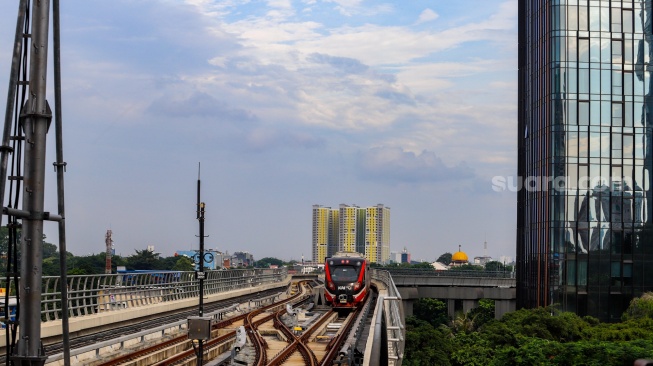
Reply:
x=27 y=143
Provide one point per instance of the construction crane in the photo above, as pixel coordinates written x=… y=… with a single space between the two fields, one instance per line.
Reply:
x=27 y=121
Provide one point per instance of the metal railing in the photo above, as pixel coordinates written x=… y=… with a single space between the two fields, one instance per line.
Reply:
x=390 y=316
x=449 y=273
x=93 y=294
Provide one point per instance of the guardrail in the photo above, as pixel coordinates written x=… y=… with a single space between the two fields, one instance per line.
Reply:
x=121 y=343
x=390 y=317
x=448 y=273
x=92 y=294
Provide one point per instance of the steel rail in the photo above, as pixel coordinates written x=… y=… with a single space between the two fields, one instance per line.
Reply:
x=232 y=334
x=103 y=339
x=306 y=352
x=333 y=347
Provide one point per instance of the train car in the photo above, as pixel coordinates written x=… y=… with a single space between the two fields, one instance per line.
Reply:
x=347 y=277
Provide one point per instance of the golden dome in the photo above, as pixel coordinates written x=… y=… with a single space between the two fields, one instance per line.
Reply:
x=459 y=257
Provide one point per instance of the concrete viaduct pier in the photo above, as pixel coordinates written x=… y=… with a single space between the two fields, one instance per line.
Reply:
x=460 y=289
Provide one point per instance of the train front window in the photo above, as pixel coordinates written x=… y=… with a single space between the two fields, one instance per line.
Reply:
x=344 y=274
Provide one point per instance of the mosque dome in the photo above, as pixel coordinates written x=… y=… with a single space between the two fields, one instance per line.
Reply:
x=458 y=257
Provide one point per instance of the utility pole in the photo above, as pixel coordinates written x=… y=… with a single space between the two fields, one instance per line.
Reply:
x=200 y=274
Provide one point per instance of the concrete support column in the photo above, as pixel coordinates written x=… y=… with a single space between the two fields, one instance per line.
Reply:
x=408 y=307
x=503 y=306
x=469 y=305
x=451 y=308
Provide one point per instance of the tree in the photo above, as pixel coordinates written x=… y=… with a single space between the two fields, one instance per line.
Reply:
x=423 y=265
x=432 y=311
x=483 y=313
x=267 y=261
x=463 y=323
x=425 y=345
x=144 y=260
x=445 y=258
x=469 y=267
x=184 y=264
x=640 y=307
x=494 y=266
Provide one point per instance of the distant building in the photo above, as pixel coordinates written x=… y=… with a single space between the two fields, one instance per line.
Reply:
x=459 y=258
x=481 y=261
x=213 y=259
x=405 y=256
x=325 y=232
x=439 y=266
x=351 y=229
x=506 y=260
x=395 y=257
x=242 y=259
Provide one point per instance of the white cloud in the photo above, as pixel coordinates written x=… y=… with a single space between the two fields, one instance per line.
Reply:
x=427 y=15
x=254 y=87
x=397 y=165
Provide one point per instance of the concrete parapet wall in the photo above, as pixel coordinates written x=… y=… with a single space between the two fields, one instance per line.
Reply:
x=457 y=293
x=402 y=281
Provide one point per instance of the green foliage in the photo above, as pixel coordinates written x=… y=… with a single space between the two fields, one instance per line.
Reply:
x=432 y=311
x=640 y=307
x=483 y=313
x=471 y=349
x=542 y=336
x=144 y=260
x=463 y=323
x=426 y=345
x=468 y=267
x=445 y=258
x=267 y=261
x=183 y=264
x=422 y=265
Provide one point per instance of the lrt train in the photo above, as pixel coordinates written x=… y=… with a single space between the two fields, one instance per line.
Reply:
x=347 y=277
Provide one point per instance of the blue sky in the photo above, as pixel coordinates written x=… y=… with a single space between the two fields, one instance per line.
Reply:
x=285 y=104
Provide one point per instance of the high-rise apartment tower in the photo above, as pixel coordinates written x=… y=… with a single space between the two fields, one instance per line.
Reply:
x=352 y=229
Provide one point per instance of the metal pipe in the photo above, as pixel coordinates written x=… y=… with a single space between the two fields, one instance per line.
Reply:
x=35 y=119
x=5 y=150
x=60 y=167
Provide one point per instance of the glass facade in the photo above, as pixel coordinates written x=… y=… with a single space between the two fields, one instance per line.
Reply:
x=584 y=219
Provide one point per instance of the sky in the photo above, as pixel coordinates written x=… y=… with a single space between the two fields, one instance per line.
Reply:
x=280 y=105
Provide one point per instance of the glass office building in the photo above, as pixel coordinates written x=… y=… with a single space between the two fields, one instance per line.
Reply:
x=584 y=206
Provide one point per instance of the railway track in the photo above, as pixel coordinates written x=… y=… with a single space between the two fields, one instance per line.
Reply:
x=180 y=351
x=304 y=336
x=135 y=327
x=321 y=342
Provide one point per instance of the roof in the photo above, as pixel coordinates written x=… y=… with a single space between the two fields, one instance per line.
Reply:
x=459 y=257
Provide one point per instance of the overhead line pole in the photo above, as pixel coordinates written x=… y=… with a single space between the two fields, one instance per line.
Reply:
x=35 y=118
x=60 y=168
x=201 y=274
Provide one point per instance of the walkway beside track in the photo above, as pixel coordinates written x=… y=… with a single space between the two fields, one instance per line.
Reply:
x=104 y=302
x=101 y=302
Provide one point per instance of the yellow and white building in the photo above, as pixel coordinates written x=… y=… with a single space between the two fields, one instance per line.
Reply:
x=352 y=229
